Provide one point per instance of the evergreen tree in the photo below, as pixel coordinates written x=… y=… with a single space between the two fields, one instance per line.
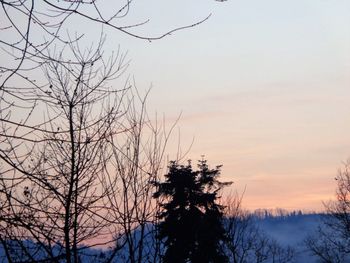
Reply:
x=191 y=219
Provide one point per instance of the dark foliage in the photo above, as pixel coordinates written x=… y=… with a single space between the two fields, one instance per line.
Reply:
x=191 y=219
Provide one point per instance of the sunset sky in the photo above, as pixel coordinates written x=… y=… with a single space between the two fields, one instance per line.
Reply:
x=263 y=88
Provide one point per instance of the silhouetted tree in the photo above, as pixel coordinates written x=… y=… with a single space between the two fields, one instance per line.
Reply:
x=82 y=178
x=331 y=242
x=191 y=226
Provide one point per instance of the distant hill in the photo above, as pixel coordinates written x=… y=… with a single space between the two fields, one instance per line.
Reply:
x=287 y=229
x=291 y=230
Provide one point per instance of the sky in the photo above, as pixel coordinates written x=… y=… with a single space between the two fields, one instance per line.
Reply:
x=262 y=87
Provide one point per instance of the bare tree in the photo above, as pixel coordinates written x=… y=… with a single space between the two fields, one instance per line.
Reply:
x=54 y=168
x=80 y=178
x=246 y=242
x=331 y=242
x=138 y=160
x=30 y=30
